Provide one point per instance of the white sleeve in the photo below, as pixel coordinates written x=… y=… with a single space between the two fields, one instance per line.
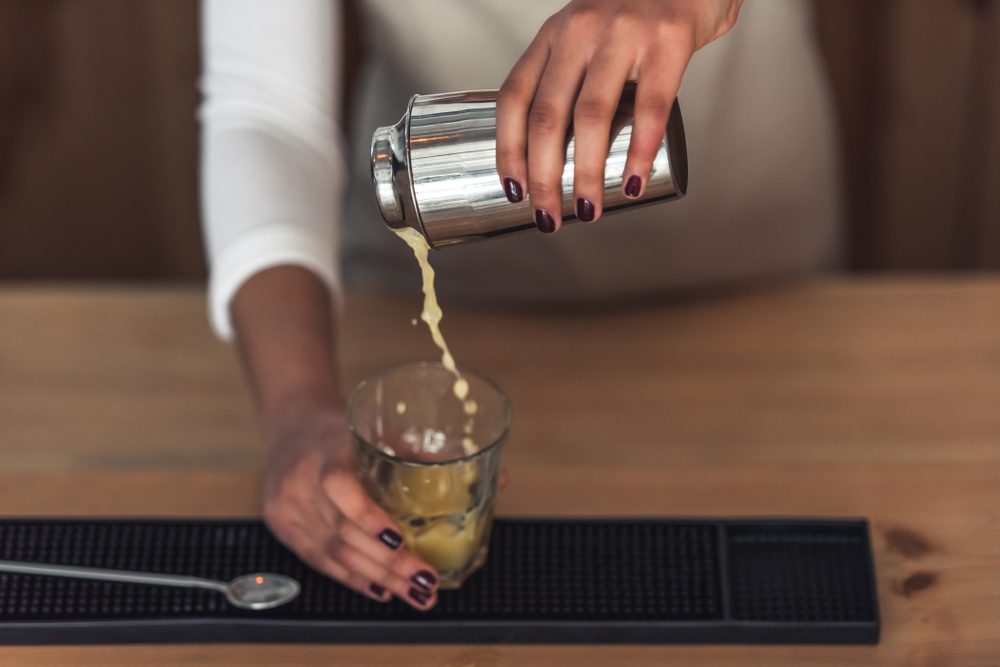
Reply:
x=272 y=162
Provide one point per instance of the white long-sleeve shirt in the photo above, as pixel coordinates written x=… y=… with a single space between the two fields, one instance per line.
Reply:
x=281 y=184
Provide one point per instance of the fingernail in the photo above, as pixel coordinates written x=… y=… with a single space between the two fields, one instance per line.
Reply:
x=633 y=186
x=585 y=209
x=513 y=190
x=425 y=579
x=378 y=591
x=421 y=597
x=544 y=221
x=391 y=538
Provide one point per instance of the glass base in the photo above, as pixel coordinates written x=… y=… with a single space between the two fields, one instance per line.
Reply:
x=450 y=580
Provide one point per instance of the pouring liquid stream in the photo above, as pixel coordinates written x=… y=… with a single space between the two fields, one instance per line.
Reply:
x=431 y=316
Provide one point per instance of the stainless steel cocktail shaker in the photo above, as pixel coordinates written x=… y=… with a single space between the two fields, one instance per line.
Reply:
x=435 y=170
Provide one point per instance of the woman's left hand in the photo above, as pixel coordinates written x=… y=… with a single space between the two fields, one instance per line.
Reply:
x=574 y=71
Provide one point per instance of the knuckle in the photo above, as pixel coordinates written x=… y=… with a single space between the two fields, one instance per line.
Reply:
x=624 y=23
x=338 y=550
x=592 y=110
x=512 y=93
x=581 y=19
x=676 y=33
x=540 y=189
x=551 y=25
x=656 y=104
x=543 y=117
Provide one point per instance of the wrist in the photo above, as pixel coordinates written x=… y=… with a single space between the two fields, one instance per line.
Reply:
x=290 y=408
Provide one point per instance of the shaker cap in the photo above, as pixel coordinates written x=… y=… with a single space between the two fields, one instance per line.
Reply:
x=389 y=172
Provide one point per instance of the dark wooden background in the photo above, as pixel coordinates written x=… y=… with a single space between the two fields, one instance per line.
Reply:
x=98 y=136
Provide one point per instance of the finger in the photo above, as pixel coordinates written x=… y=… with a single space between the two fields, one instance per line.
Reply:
x=363 y=555
x=548 y=121
x=654 y=97
x=344 y=490
x=361 y=564
x=364 y=525
x=296 y=532
x=513 y=102
x=592 y=117
x=401 y=564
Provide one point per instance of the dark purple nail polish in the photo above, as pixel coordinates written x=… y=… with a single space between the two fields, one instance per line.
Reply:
x=513 y=190
x=377 y=591
x=425 y=579
x=421 y=597
x=633 y=186
x=544 y=221
x=585 y=209
x=391 y=538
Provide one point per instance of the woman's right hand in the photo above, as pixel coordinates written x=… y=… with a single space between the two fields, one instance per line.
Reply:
x=315 y=505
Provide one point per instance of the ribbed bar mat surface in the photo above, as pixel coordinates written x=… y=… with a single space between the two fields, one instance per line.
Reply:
x=546 y=580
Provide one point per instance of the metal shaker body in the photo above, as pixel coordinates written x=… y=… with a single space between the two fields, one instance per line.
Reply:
x=435 y=170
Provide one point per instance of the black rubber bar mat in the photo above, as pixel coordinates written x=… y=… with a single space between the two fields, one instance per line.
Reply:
x=546 y=581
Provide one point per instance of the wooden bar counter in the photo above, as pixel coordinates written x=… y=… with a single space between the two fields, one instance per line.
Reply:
x=877 y=398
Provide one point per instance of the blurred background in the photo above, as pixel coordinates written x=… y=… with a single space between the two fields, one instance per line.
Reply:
x=98 y=136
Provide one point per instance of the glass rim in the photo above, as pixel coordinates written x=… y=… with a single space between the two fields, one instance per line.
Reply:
x=506 y=410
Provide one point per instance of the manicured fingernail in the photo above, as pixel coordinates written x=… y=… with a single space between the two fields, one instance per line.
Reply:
x=544 y=221
x=425 y=579
x=421 y=597
x=391 y=538
x=633 y=186
x=585 y=209
x=377 y=591
x=513 y=190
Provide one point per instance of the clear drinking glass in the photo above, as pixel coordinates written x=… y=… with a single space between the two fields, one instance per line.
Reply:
x=432 y=460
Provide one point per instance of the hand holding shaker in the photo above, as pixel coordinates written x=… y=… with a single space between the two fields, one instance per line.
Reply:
x=435 y=170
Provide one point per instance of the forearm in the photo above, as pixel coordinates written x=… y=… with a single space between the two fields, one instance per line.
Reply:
x=285 y=336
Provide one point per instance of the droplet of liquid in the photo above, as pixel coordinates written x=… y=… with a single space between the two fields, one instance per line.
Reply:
x=400 y=408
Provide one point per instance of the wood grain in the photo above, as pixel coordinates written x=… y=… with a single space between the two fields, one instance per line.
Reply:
x=98 y=146
x=836 y=398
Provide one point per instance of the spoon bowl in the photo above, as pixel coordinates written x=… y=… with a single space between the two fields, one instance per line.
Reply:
x=261 y=590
